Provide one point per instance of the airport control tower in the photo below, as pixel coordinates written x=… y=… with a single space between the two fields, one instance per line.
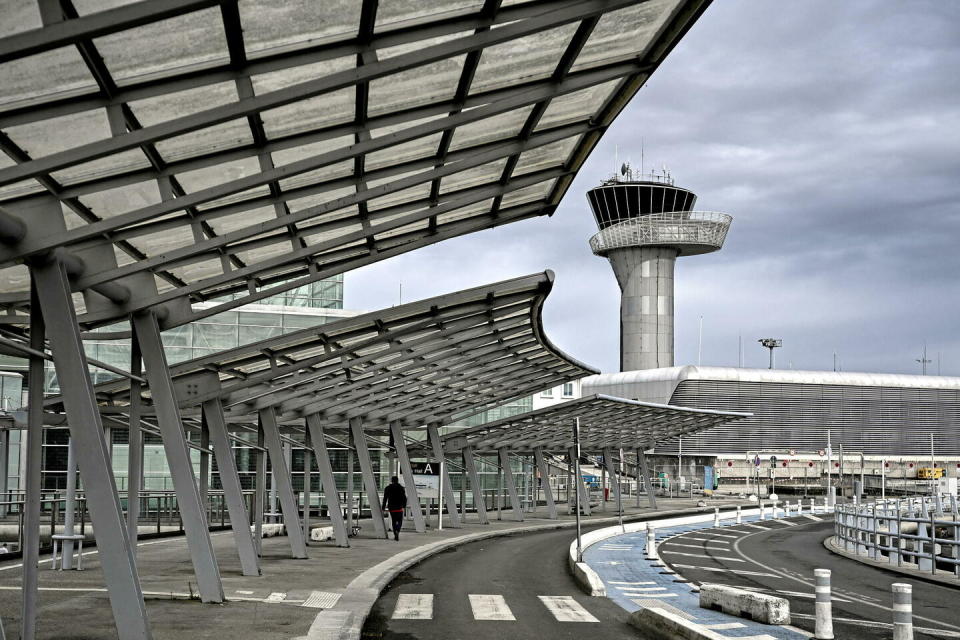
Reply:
x=645 y=223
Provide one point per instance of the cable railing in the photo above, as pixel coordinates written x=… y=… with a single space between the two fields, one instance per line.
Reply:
x=920 y=532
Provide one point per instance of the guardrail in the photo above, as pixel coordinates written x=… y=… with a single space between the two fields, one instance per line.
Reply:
x=922 y=532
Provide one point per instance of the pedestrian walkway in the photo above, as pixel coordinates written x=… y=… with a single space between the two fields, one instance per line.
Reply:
x=491 y=607
x=635 y=582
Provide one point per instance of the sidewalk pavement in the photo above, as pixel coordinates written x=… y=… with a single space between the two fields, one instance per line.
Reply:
x=325 y=596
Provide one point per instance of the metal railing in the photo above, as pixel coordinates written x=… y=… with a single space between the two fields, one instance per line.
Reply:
x=702 y=231
x=922 y=532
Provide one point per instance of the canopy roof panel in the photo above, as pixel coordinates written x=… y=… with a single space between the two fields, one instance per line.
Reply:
x=605 y=421
x=417 y=363
x=187 y=151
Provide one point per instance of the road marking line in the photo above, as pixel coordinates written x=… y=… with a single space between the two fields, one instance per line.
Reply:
x=617 y=582
x=246 y=593
x=566 y=609
x=414 y=606
x=700 y=555
x=705 y=540
x=695 y=546
x=943 y=633
x=489 y=607
x=809 y=596
x=786 y=522
x=321 y=600
x=807 y=515
x=634 y=590
x=756 y=526
x=657 y=595
x=275 y=597
x=719 y=570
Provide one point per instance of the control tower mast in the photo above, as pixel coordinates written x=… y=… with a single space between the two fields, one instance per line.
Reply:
x=645 y=223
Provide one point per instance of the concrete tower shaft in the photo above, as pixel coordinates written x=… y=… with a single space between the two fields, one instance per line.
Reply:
x=645 y=276
x=645 y=225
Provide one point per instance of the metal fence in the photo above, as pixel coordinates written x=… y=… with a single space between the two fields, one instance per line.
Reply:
x=922 y=532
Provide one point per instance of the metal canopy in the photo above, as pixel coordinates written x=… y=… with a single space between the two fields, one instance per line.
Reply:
x=605 y=421
x=195 y=151
x=417 y=363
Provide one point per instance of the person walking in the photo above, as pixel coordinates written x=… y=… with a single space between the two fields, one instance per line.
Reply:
x=395 y=501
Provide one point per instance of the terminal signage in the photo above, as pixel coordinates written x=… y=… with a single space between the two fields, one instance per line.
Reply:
x=426 y=475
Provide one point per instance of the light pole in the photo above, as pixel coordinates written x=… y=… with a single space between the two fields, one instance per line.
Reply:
x=771 y=343
x=578 y=480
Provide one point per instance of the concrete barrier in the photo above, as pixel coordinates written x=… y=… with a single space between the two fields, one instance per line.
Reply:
x=271 y=529
x=319 y=534
x=759 y=607
x=659 y=624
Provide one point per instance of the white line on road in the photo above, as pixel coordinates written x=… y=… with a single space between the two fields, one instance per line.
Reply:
x=414 y=606
x=719 y=570
x=807 y=515
x=490 y=607
x=657 y=595
x=321 y=600
x=724 y=626
x=617 y=582
x=275 y=597
x=700 y=555
x=634 y=589
x=566 y=609
x=695 y=546
x=706 y=540
x=942 y=633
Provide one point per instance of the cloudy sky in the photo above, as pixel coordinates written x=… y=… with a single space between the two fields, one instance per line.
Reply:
x=831 y=132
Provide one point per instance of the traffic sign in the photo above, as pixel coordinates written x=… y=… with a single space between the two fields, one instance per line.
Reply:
x=773 y=460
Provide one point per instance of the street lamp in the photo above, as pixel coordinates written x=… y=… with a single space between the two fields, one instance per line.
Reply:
x=771 y=343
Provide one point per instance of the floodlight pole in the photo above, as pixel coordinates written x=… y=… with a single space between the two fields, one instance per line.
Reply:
x=576 y=471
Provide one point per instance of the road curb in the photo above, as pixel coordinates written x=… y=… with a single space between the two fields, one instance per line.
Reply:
x=915 y=574
x=345 y=620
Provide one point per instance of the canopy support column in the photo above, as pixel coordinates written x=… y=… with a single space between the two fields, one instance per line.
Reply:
x=449 y=497
x=147 y=335
x=581 y=486
x=134 y=448
x=413 y=500
x=51 y=293
x=369 y=480
x=545 y=483
x=232 y=489
x=511 y=482
x=475 y=486
x=327 y=483
x=307 y=481
x=281 y=479
x=612 y=475
x=647 y=480
x=31 y=471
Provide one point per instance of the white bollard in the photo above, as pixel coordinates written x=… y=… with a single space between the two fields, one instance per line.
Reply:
x=716 y=516
x=823 y=607
x=763 y=513
x=651 y=544
x=739 y=515
x=902 y=611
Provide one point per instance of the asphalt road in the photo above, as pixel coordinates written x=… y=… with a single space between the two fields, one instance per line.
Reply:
x=518 y=568
x=780 y=559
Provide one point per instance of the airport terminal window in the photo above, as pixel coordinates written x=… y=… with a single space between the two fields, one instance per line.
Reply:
x=546 y=393
x=567 y=389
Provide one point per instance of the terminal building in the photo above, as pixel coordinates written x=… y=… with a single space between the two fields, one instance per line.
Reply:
x=883 y=423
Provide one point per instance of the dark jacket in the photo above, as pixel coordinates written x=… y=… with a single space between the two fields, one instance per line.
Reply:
x=394 y=497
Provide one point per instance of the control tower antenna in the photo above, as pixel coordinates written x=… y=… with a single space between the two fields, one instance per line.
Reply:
x=771 y=343
x=646 y=222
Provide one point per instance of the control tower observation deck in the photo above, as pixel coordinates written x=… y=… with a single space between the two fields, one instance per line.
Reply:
x=645 y=223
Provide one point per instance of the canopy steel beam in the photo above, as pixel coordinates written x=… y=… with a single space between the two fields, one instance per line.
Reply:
x=86 y=430
x=479 y=500
x=511 y=482
x=581 y=485
x=369 y=479
x=544 y=470
x=327 y=481
x=449 y=498
x=232 y=489
x=406 y=469
x=282 y=484
x=647 y=478
x=147 y=334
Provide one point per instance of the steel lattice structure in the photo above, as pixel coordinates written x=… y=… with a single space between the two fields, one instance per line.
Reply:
x=242 y=153
x=165 y=153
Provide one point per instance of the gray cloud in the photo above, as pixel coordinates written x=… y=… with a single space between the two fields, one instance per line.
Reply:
x=830 y=131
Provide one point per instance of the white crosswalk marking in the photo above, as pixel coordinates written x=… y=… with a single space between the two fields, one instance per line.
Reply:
x=756 y=526
x=490 y=607
x=275 y=597
x=708 y=539
x=617 y=582
x=566 y=609
x=414 y=606
x=634 y=590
